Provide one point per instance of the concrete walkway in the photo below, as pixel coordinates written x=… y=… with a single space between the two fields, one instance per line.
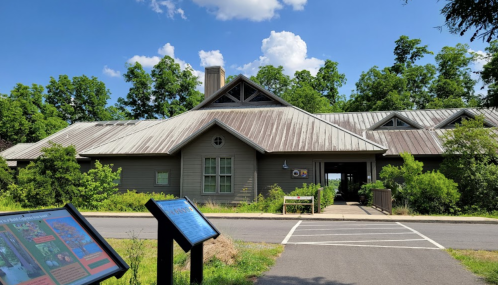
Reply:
x=319 y=217
x=350 y=208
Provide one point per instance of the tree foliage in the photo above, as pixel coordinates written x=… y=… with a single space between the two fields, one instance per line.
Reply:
x=97 y=185
x=470 y=158
x=272 y=79
x=138 y=101
x=489 y=73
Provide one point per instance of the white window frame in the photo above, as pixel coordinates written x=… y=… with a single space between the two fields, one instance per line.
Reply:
x=156 y=176
x=218 y=175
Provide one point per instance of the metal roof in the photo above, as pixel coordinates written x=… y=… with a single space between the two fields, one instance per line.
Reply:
x=272 y=129
x=424 y=141
x=12 y=151
x=82 y=136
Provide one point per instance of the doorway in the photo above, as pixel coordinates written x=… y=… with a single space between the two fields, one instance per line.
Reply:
x=348 y=176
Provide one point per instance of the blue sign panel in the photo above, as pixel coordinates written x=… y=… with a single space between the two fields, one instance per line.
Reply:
x=193 y=226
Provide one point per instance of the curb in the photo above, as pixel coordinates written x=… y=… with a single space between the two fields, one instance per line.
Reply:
x=311 y=218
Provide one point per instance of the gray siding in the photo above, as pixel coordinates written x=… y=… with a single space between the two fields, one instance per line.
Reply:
x=139 y=173
x=244 y=167
x=270 y=169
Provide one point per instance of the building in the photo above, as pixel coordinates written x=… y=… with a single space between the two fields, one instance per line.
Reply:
x=242 y=139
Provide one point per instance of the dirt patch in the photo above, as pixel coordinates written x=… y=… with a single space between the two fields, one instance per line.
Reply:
x=222 y=248
x=483 y=255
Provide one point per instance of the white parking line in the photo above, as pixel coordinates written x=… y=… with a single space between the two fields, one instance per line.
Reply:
x=333 y=229
x=385 y=246
x=286 y=239
x=358 y=234
x=428 y=239
x=349 y=241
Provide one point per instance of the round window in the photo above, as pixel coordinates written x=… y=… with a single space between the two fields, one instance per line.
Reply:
x=218 y=141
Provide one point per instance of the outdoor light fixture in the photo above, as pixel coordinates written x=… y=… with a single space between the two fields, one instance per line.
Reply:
x=285 y=165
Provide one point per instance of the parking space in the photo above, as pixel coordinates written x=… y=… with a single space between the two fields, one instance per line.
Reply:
x=358 y=234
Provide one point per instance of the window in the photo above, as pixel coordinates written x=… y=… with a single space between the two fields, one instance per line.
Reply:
x=162 y=178
x=218 y=175
x=457 y=121
x=218 y=141
x=395 y=123
x=118 y=181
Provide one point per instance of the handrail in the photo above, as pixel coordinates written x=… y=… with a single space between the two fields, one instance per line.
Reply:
x=382 y=199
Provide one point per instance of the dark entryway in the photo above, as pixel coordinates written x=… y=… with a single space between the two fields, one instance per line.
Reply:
x=352 y=176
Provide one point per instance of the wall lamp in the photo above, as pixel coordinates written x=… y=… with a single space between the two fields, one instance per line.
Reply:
x=285 y=165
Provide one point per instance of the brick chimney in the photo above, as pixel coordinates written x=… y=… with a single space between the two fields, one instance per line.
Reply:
x=214 y=80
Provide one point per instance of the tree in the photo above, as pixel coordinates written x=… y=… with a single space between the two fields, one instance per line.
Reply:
x=81 y=100
x=138 y=102
x=407 y=52
x=308 y=99
x=470 y=158
x=71 y=236
x=272 y=79
x=6 y=175
x=51 y=179
x=480 y=16
x=489 y=74
x=97 y=185
x=454 y=75
x=174 y=90
x=329 y=80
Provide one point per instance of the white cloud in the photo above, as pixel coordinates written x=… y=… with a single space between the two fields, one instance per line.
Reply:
x=482 y=59
x=171 y=10
x=111 y=72
x=296 y=4
x=254 y=10
x=211 y=58
x=167 y=49
x=145 y=61
x=285 y=49
x=208 y=58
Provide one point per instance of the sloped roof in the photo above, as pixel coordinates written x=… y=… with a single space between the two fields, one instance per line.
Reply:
x=273 y=129
x=12 y=151
x=423 y=141
x=82 y=136
x=399 y=116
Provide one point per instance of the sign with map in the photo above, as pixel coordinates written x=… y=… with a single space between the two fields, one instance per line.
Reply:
x=54 y=247
x=189 y=224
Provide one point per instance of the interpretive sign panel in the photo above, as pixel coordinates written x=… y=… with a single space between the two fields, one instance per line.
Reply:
x=54 y=247
x=192 y=226
x=300 y=173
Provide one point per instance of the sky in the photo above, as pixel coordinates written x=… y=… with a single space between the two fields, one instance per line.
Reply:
x=40 y=39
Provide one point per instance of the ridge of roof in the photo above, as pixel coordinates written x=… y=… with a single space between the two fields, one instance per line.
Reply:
x=231 y=84
x=417 y=110
x=209 y=125
x=399 y=116
x=341 y=128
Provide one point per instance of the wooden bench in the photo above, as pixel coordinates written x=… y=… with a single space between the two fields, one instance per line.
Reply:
x=299 y=198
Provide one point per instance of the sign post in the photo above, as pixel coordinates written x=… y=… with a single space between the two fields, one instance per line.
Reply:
x=54 y=247
x=180 y=220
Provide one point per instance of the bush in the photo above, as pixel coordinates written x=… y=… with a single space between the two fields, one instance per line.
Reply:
x=96 y=186
x=426 y=193
x=366 y=190
x=326 y=198
x=131 y=201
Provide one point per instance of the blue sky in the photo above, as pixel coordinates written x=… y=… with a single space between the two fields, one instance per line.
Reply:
x=39 y=39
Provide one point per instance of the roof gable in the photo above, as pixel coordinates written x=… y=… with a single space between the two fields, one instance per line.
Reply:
x=461 y=114
x=241 y=91
x=396 y=115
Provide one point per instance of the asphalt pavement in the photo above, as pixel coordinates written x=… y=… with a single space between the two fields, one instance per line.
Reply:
x=346 y=252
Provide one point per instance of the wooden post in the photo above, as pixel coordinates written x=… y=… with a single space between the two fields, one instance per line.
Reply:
x=196 y=264
x=164 y=255
x=319 y=200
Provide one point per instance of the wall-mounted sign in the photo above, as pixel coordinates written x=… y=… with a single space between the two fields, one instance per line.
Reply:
x=299 y=173
x=54 y=247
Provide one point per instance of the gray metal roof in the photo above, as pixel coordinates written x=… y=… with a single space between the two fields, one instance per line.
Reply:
x=82 y=136
x=423 y=141
x=12 y=151
x=272 y=129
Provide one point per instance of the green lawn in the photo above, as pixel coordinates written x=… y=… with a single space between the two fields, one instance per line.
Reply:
x=480 y=262
x=252 y=260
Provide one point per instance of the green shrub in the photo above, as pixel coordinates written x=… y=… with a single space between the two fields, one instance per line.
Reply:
x=96 y=186
x=366 y=190
x=131 y=201
x=311 y=190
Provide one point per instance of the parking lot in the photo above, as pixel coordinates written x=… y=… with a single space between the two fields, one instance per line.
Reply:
x=358 y=234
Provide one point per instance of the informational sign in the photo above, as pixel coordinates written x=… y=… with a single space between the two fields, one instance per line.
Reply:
x=189 y=221
x=299 y=173
x=53 y=247
x=189 y=226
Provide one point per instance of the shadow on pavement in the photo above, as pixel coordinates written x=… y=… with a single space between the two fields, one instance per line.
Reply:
x=288 y=280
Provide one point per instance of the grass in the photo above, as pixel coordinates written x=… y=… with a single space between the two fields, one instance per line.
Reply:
x=480 y=262
x=251 y=260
